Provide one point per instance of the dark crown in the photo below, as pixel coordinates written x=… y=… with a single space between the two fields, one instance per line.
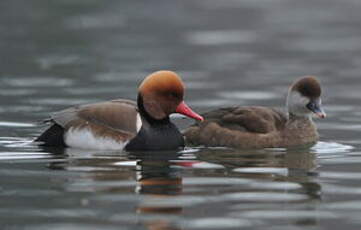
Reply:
x=308 y=86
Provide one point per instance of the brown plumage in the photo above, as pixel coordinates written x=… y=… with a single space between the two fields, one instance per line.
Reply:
x=261 y=127
x=104 y=119
x=308 y=87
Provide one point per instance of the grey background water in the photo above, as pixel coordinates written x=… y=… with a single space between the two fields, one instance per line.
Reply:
x=54 y=54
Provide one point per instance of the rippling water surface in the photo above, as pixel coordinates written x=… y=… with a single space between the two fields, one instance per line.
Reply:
x=55 y=54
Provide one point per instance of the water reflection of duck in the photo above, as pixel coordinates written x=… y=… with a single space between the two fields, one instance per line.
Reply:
x=292 y=165
x=158 y=179
x=300 y=159
x=261 y=127
x=119 y=124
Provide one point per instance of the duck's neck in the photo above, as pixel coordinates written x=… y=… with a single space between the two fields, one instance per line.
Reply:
x=153 y=133
x=144 y=114
x=292 y=116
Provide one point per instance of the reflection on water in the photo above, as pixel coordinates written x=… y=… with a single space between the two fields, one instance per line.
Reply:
x=61 y=53
x=209 y=188
x=159 y=182
x=180 y=190
x=170 y=190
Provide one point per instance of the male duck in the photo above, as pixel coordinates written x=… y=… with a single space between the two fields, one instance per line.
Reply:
x=120 y=123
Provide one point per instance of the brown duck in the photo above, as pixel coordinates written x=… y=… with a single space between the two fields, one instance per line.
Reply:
x=261 y=127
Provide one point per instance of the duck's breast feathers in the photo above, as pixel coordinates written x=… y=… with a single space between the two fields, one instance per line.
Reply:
x=117 y=117
x=248 y=118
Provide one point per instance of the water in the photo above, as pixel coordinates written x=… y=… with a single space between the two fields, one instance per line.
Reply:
x=55 y=54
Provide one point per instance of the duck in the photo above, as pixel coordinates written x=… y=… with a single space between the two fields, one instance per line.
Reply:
x=257 y=127
x=123 y=124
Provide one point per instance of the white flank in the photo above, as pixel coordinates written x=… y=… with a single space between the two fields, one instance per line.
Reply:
x=84 y=139
x=139 y=123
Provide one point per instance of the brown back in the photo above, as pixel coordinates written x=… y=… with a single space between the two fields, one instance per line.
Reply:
x=117 y=115
x=249 y=119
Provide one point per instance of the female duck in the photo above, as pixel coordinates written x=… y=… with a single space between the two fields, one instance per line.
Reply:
x=118 y=124
x=262 y=127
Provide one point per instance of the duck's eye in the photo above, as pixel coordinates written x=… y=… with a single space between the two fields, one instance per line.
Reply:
x=173 y=94
x=311 y=106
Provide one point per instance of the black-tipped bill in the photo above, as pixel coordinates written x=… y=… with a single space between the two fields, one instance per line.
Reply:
x=316 y=108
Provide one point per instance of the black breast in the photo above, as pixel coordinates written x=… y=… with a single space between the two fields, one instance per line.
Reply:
x=157 y=137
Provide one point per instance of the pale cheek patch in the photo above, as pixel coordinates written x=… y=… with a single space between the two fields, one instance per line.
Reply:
x=304 y=100
x=85 y=139
x=298 y=99
x=298 y=103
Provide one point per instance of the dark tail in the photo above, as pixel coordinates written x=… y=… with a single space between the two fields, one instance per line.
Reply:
x=52 y=137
